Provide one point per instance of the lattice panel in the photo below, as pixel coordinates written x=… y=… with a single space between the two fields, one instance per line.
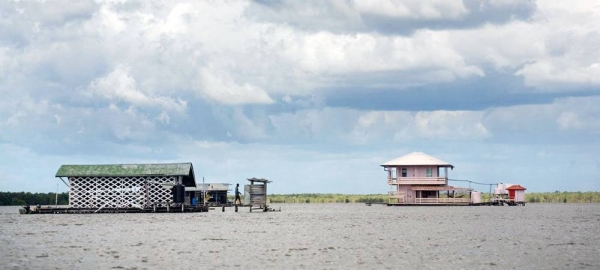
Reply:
x=156 y=193
x=79 y=193
x=119 y=192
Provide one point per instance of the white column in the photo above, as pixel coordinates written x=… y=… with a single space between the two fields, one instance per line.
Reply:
x=446 y=174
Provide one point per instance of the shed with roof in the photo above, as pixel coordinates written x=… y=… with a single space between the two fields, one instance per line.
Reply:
x=120 y=186
x=255 y=194
x=213 y=194
x=516 y=194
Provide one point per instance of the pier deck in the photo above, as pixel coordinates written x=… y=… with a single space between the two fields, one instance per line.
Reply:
x=172 y=209
x=493 y=203
x=71 y=210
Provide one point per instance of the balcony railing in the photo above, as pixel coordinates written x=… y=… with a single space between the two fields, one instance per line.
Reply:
x=401 y=199
x=417 y=180
x=442 y=200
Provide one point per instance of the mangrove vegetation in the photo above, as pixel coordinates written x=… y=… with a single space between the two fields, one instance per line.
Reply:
x=23 y=198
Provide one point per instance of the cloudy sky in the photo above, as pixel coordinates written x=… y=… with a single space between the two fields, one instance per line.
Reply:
x=313 y=95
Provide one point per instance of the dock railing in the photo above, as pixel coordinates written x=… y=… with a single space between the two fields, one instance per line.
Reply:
x=395 y=197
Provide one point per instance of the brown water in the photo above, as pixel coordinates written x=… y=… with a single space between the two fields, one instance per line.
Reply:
x=311 y=236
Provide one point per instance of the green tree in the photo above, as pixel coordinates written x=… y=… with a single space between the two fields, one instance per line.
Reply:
x=17 y=201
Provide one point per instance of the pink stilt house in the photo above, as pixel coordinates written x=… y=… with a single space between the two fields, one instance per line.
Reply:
x=420 y=179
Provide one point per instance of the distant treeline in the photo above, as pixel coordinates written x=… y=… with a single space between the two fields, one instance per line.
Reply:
x=23 y=198
x=563 y=197
x=327 y=198
x=535 y=197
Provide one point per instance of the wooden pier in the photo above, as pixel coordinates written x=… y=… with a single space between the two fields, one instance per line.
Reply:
x=492 y=203
x=172 y=209
x=71 y=210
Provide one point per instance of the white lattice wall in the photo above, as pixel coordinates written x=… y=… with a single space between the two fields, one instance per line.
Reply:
x=120 y=192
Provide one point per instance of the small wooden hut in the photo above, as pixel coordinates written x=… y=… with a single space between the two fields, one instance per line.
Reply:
x=216 y=194
x=256 y=194
x=516 y=194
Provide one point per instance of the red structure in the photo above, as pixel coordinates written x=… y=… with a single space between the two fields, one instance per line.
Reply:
x=516 y=193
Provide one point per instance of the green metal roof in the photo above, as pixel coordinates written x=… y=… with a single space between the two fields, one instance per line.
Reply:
x=167 y=169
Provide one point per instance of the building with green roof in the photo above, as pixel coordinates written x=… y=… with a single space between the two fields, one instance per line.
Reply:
x=125 y=185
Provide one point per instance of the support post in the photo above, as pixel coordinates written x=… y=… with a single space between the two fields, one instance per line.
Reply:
x=56 y=196
x=203 y=191
x=446 y=174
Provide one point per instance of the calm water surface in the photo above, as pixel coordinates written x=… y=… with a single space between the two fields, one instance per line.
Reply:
x=309 y=236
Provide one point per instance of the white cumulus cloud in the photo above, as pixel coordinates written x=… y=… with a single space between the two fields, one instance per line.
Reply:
x=118 y=85
x=414 y=9
x=224 y=89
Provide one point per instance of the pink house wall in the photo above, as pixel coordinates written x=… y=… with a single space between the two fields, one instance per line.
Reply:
x=519 y=195
x=409 y=193
x=418 y=171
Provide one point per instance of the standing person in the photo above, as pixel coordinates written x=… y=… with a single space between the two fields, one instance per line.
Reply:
x=237 y=194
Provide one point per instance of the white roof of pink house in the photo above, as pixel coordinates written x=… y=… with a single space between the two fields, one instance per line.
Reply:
x=415 y=159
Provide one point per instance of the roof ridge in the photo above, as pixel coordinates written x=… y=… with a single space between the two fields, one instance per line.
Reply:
x=415 y=159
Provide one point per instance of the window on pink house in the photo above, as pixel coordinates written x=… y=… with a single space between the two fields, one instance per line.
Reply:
x=429 y=172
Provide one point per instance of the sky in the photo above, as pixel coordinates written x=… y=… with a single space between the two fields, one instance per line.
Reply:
x=313 y=95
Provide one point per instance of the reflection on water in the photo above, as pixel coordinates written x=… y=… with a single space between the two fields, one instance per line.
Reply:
x=537 y=236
